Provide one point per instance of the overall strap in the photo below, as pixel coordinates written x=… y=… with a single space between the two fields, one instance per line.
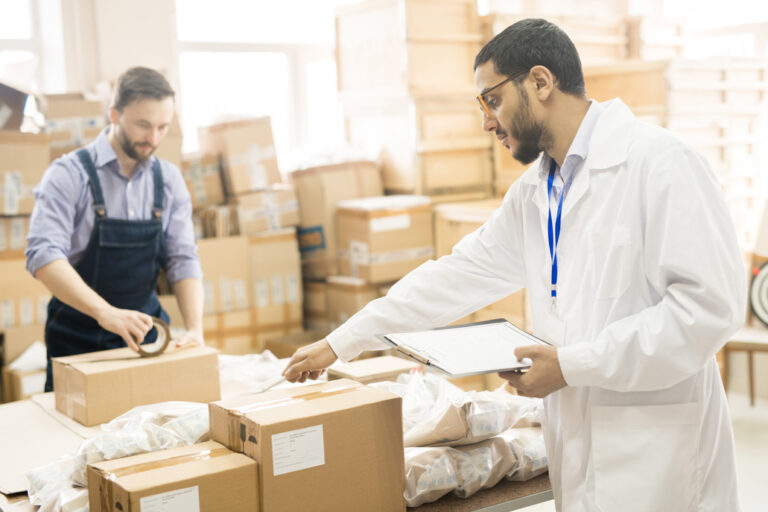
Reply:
x=157 y=178
x=93 y=182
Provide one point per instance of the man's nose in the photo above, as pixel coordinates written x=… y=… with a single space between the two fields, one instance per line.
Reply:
x=490 y=123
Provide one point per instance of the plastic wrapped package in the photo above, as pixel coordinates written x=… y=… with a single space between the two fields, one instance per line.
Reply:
x=430 y=473
x=528 y=446
x=140 y=430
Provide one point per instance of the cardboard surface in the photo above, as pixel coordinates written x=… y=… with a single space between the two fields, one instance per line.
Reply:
x=16 y=339
x=18 y=385
x=203 y=179
x=347 y=296
x=285 y=346
x=97 y=387
x=24 y=158
x=273 y=208
x=13 y=236
x=375 y=369
x=338 y=443
x=200 y=477
x=23 y=299
x=225 y=274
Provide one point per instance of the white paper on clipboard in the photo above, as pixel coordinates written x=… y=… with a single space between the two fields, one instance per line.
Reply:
x=470 y=349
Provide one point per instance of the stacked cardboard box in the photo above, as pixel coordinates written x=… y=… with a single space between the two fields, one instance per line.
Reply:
x=18 y=384
x=23 y=299
x=72 y=121
x=203 y=179
x=273 y=208
x=316 y=305
x=346 y=296
x=170 y=148
x=375 y=369
x=23 y=160
x=319 y=446
x=13 y=236
x=286 y=346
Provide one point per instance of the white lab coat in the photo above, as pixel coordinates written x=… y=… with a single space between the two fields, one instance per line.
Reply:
x=650 y=286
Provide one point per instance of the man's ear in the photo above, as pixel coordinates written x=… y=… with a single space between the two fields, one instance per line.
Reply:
x=544 y=82
x=114 y=116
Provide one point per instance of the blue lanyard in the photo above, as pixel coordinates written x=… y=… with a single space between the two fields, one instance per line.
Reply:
x=554 y=232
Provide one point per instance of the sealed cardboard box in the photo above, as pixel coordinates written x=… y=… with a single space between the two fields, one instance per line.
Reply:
x=13 y=236
x=321 y=447
x=383 y=238
x=318 y=190
x=375 y=369
x=97 y=387
x=18 y=338
x=218 y=221
x=316 y=305
x=346 y=296
x=247 y=150
x=170 y=147
x=225 y=274
x=23 y=160
x=273 y=208
x=18 y=385
x=285 y=346
x=23 y=299
x=72 y=121
x=201 y=477
x=203 y=179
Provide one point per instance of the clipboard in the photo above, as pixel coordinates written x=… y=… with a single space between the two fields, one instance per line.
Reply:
x=465 y=350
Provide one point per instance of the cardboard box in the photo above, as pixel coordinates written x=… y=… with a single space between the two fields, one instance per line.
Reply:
x=24 y=158
x=170 y=147
x=18 y=385
x=273 y=208
x=316 y=305
x=319 y=447
x=97 y=387
x=318 y=190
x=247 y=150
x=18 y=338
x=346 y=296
x=375 y=369
x=383 y=238
x=200 y=477
x=202 y=176
x=225 y=274
x=218 y=221
x=13 y=236
x=240 y=333
x=72 y=121
x=285 y=346
x=23 y=299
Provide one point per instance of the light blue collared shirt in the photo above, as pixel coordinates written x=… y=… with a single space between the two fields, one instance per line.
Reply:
x=63 y=217
x=575 y=157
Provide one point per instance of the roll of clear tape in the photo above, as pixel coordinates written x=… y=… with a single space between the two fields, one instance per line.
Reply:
x=160 y=344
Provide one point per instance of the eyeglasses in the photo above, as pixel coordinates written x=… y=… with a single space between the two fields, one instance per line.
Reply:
x=481 y=99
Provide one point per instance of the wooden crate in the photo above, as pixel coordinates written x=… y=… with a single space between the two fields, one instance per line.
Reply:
x=599 y=40
x=389 y=48
x=432 y=145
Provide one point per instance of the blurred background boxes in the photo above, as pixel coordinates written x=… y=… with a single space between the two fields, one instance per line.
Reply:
x=23 y=160
x=72 y=121
x=346 y=296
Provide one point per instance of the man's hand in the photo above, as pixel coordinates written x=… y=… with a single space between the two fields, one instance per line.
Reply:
x=309 y=362
x=130 y=325
x=191 y=337
x=544 y=376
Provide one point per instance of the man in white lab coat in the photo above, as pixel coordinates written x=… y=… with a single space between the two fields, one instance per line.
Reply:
x=634 y=275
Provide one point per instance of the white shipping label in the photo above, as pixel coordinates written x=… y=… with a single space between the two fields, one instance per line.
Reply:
x=278 y=297
x=42 y=308
x=391 y=223
x=292 y=288
x=32 y=384
x=358 y=253
x=262 y=294
x=297 y=450
x=12 y=192
x=180 y=500
x=241 y=299
x=18 y=233
x=225 y=288
x=26 y=312
x=208 y=297
x=8 y=317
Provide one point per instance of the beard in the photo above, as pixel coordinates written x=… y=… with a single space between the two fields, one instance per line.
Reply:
x=530 y=134
x=130 y=147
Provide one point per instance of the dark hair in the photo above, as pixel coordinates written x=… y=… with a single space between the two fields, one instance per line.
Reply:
x=535 y=42
x=139 y=83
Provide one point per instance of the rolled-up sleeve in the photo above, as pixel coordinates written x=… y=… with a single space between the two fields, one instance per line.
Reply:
x=182 y=262
x=53 y=218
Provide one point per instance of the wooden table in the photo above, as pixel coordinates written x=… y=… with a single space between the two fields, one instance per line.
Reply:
x=503 y=497
x=749 y=340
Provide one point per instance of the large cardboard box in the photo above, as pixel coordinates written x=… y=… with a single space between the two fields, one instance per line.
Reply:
x=97 y=387
x=18 y=338
x=170 y=147
x=247 y=150
x=324 y=447
x=273 y=208
x=383 y=238
x=346 y=296
x=285 y=346
x=18 y=385
x=13 y=236
x=316 y=305
x=375 y=369
x=318 y=190
x=72 y=121
x=23 y=299
x=218 y=221
x=202 y=176
x=23 y=160
x=201 y=477
x=225 y=274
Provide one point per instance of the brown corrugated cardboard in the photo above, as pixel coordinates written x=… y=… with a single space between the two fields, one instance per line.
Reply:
x=23 y=160
x=316 y=305
x=72 y=121
x=318 y=190
x=99 y=386
x=239 y=332
x=170 y=147
x=383 y=238
x=23 y=299
x=203 y=179
x=375 y=369
x=321 y=447
x=13 y=236
x=249 y=161
x=18 y=385
x=201 y=477
x=218 y=221
x=346 y=296
x=225 y=274
x=273 y=208
x=285 y=346
x=18 y=338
